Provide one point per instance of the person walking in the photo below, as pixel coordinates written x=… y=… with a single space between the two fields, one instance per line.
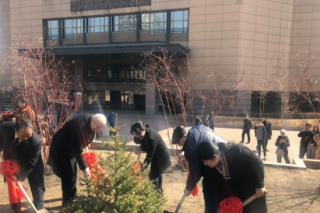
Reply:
x=261 y=135
x=211 y=121
x=157 y=151
x=67 y=147
x=268 y=127
x=282 y=145
x=111 y=120
x=306 y=136
x=247 y=125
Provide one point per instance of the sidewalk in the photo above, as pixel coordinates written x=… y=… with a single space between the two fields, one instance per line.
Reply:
x=230 y=134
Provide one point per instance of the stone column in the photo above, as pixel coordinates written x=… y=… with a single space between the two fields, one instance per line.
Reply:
x=151 y=105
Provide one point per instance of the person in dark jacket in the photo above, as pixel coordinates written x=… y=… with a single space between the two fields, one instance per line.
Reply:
x=282 y=145
x=247 y=125
x=206 y=121
x=268 y=127
x=7 y=136
x=111 y=120
x=190 y=141
x=67 y=147
x=211 y=121
x=157 y=151
x=261 y=135
x=27 y=151
x=241 y=178
x=306 y=136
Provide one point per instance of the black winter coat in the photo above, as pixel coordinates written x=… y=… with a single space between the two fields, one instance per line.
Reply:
x=247 y=125
x=268 y=127
x=157 y=153
x=69 y=142
x=7 y=134
x=28 y=154
x=246 y=173
x=306 y=137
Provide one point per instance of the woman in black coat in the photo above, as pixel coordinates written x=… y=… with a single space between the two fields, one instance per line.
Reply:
x=157 y=152
x=241 y=173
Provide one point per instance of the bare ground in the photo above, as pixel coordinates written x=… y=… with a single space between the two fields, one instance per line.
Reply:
x=289 y=191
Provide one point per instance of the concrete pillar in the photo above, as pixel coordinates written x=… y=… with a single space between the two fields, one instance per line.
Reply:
x=151 y=105
x=78 y=74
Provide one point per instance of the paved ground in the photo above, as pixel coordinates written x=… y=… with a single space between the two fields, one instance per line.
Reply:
x=231 y=134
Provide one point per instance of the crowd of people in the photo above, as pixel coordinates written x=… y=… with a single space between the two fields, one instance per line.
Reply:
x=209 y=157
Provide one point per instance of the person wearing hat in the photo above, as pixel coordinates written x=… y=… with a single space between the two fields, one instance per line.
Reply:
x=241 y=178
x=306 y=136
x=157 y=151
x=282 y=145
x=189 y=141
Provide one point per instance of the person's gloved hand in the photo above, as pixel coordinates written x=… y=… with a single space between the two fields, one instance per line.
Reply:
x=187 y=192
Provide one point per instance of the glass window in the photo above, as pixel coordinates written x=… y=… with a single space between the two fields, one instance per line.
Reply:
x=179 y=21
x=98 y=24
x=156 y=23
x=72 y=27
x=53 y=30
x=125 y=23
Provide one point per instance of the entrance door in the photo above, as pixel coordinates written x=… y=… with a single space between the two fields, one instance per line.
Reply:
x=115 y=99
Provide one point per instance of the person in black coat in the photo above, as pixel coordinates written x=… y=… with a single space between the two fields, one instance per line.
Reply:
x=26 y=150
x=157 y=151
x=268 y=127
x=247 y=125
x=190 y=142
x=7 y=136
x=241 y=178
x=306 y=136
x=67 y=147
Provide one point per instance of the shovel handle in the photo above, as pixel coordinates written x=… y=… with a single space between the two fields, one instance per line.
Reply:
x=249 y=200
x=180 y=203
x=27 y=197
x=252 y=198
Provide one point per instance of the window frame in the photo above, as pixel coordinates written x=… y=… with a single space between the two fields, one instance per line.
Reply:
x=104 y=25
x=147 y=25
x=76 y=29
x=185 y=22
x=49 y=35
x=115 y=27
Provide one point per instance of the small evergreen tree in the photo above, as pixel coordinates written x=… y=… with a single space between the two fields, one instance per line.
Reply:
x=119 y=189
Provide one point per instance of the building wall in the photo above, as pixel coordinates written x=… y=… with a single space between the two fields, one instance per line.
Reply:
x=306 y=34
x=4 y=27
x=228 y=36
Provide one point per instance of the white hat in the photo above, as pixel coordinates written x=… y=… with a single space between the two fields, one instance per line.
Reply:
x=283 y=130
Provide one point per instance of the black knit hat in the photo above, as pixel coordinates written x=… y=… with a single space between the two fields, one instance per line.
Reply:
x=206 y=150
x=178 y=133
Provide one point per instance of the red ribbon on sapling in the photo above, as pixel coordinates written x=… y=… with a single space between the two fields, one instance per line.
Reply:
x=9 y=169
x=92 y=162
x=231 y=205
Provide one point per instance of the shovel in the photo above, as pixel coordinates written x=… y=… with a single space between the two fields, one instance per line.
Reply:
x=29 y=200
x=180 y=203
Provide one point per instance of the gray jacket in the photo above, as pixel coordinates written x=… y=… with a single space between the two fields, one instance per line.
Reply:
x=260 y=132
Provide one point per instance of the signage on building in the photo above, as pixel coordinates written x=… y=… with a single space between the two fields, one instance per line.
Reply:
x=86 y=5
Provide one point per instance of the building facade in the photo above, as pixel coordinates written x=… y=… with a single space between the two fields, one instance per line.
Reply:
x=106 y=38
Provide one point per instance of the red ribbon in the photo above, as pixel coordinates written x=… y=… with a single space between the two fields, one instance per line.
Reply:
x=137 y=171
x=9 y=169
x=231 y=205
x=92 y=162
